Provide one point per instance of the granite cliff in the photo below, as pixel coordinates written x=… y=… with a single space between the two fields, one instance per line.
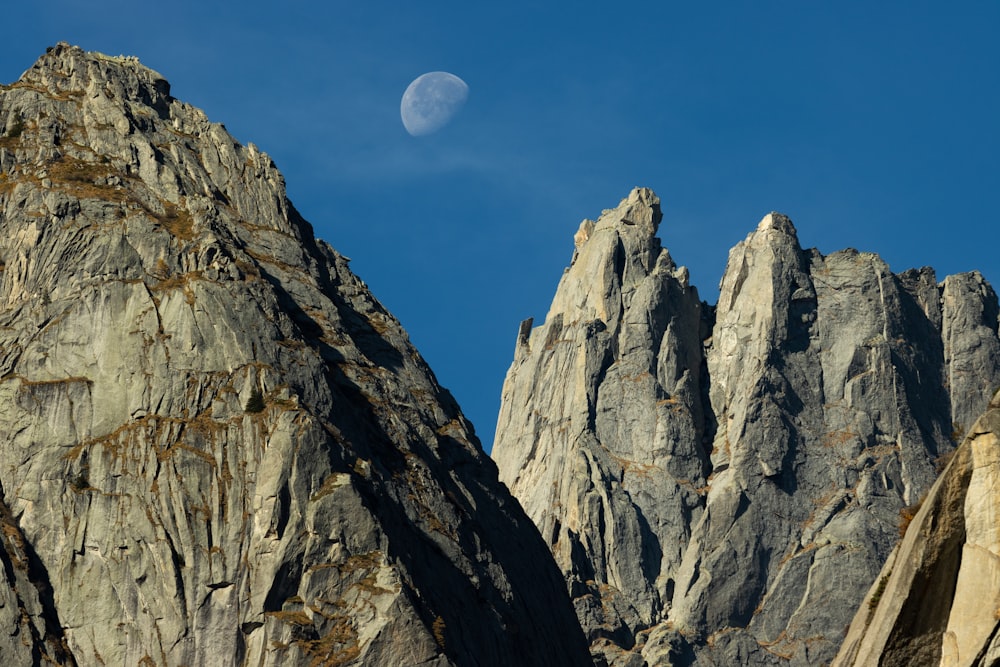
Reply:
x=937 y=599
x=216 y=446
x=720 y=485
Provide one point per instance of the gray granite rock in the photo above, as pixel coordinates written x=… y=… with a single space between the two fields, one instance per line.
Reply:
x=216 y=446
x=601 y=432
x=720 y=485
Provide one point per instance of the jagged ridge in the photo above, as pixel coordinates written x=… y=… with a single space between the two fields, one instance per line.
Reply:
x=741 y=528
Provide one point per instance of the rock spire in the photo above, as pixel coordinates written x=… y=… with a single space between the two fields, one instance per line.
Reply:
x=720 y=484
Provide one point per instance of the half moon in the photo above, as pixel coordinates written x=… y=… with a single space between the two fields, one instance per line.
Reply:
x=431 y=101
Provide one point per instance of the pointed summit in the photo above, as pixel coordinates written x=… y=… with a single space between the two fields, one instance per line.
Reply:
x=602 y=418
x=641 y=208
x=612 y=256
x=777 y=222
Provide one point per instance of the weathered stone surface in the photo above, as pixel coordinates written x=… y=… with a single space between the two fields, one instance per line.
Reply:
x=601 y=427
x=741 y=528
x=216 y=447
x=936 y=599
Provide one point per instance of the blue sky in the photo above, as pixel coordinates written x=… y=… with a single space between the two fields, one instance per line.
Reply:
x=872 y=125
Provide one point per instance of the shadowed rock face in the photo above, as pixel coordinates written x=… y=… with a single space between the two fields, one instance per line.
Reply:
x=720 y=485
x=216 y=447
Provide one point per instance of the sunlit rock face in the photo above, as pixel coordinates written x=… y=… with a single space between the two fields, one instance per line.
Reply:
x=720 y=485
x=216 y=447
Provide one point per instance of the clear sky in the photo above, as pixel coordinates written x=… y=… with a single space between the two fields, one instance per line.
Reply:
x=871 y=124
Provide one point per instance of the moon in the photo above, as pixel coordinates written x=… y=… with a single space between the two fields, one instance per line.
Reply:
x=431 y=101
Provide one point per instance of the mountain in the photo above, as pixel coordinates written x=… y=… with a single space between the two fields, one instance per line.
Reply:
x=721 y=484
x=936 y=600
x=216 y=446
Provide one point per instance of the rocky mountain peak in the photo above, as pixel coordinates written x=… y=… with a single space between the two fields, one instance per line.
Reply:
x=777 y=222
x=69 y=70
x=719 y=487
x=640 y=209
x=619 y=250
x=616 y=363
x=108 y=122
x=216 y=446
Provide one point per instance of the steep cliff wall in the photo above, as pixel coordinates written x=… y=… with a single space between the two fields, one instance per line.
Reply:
x=937 y=599
x=720 y=485
x=216 y=447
